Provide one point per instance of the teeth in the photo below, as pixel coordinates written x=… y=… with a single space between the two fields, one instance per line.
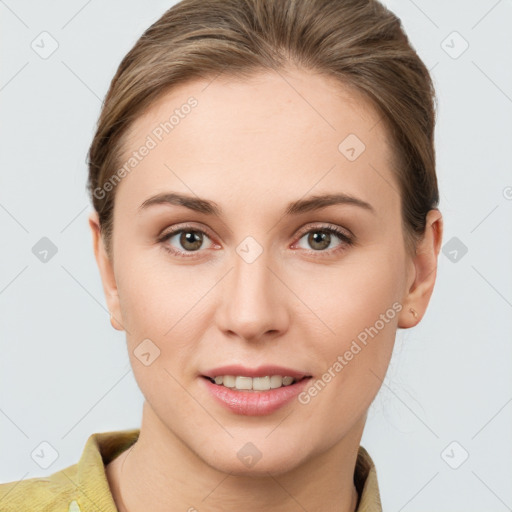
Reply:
x=256 y=384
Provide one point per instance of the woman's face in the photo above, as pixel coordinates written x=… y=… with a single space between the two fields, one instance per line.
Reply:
x=254 y=284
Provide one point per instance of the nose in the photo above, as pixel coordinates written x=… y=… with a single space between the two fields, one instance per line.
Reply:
x=253 y=303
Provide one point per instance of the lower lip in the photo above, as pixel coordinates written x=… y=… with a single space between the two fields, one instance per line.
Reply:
x=255 y=403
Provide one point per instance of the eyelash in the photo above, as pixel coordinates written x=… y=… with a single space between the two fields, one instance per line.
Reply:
x=326 y=228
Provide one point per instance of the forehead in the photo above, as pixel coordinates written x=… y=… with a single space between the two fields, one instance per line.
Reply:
x=278 y=134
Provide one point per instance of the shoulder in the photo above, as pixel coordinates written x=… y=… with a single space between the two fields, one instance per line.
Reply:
x=81 y=487
x=42 y=493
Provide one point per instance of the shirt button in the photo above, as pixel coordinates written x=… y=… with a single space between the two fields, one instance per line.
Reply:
x=73 y=507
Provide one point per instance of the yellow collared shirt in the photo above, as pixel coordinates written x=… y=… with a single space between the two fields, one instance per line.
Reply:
x=83 y=487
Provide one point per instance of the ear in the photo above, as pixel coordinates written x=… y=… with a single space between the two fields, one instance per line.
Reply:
x=106 y=272
x=424 y=271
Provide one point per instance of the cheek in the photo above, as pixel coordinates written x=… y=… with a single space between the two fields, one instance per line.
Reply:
x=168 y=307
x=361 y=292
x=154 y=297
x=362 y=309
x=353 y=368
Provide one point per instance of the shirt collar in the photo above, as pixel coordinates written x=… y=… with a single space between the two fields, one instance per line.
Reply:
x=365 y=480
x=99 y=450
x=103 y=447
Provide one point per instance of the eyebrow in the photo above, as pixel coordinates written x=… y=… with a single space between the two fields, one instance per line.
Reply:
x=207 y=207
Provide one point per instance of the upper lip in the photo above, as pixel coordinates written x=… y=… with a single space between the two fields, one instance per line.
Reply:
x=260 y=371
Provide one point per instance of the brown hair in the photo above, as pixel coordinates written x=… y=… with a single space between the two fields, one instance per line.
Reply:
x=359 y=42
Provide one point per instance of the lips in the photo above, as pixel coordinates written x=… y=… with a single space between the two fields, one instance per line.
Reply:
x=260 y=371
x=251 y=402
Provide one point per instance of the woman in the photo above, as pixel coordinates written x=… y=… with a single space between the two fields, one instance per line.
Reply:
x=265 y=219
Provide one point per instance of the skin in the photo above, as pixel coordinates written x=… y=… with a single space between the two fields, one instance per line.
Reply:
x=253 y=146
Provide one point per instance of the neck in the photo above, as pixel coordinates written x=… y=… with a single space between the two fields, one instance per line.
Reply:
x=159 y=473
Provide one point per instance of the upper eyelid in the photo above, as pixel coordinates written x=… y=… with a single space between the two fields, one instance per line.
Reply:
x=325 y=226
x=300 y=233
x=184 y=227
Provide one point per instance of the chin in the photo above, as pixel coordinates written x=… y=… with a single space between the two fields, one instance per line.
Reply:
x=245 y=459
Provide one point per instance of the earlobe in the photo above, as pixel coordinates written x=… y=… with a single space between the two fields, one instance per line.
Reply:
x=425 y=267
x=115 y=324
x=106 y=273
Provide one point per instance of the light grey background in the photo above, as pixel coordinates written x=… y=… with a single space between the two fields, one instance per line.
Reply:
x=64 y=372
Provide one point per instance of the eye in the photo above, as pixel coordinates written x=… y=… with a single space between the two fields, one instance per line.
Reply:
x=190 y=240
x=320 y=238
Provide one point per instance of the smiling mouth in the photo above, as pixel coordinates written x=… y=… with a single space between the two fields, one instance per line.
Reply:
x=254 y=384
